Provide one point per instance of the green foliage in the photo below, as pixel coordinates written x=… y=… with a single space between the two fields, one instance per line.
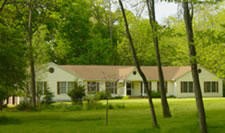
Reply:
x=23 y=106
x=117 y=97
x=102 y=95
x=155 y=94
x=77 y=93
x=12 y=61
x=48 y=97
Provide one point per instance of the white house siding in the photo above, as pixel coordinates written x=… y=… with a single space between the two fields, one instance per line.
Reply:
x=52 y=78
x=120 y=90
x=154 y=85
x=136 y=90
x=173 y=86
x=132 y=77
x=204 y=76
x=170 y=88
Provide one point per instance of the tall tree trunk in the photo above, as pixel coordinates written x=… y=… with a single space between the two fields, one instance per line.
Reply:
x=152 y=110
x=153 y=23
x=194 y=68
x=31 y=58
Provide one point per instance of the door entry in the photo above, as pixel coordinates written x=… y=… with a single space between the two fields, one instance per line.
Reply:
x=129 y=88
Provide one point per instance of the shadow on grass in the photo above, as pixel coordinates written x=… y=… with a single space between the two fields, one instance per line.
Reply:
x=8 y=121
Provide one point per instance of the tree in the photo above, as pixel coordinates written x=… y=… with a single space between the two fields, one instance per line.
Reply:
x=154 y=119
x=12 y=62
x=3 y=5
x=188 y=17
x=154 y=26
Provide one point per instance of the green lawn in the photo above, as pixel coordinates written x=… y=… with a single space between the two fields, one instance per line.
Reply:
x=134 y=118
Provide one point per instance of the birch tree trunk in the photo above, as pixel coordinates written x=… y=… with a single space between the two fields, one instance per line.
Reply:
x=153 y=23
x=194 y=68
x=152 y=110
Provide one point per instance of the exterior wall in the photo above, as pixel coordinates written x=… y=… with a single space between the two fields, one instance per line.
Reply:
x=10 y=101
x=120 y=89
x=204 y=76
x=170 y=89
x=52 y=79
x=173 y=86
x=154 y=85
x=132 y=77
x=136 y=90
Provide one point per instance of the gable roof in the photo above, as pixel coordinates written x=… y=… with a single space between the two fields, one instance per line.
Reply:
x=102 y=72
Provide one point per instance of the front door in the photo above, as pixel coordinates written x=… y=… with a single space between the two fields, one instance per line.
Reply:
x=129 y=88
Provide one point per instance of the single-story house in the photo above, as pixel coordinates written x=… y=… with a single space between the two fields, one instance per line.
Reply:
x=125 y=80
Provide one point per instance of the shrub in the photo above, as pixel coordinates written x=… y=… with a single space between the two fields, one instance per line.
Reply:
x=102 y=95
x=48 y=98
x=155 y=94
x=117 y=97
x=171 y=96
x=23 y=106
x=77 y=93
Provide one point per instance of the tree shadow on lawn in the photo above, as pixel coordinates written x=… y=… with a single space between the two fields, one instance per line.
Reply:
x=8 y=120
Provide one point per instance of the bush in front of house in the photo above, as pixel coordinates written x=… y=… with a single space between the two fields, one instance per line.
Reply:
x=48 y=97
x=155 y=94
x=117 y=97
x=24 y=106
x=103 y=95
x=77 y=93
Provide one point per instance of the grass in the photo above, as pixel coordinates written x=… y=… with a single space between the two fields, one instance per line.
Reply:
x=134 y=118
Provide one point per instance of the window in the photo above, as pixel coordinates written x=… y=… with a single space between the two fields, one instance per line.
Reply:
x=70 y=86
x=210 y=86
x=93 y=87
x=64 y=87
x=41 y=86
x=149 y=87
x=111 y=87
x=187 y=87
x=158 y=90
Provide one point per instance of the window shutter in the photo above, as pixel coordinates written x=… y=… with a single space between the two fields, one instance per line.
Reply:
x=97 y=86
x=115 y=88
x=217 y=87
x=58 y=91
x=45 y=87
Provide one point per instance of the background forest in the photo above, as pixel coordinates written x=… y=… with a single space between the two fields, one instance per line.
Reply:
x=92 y=32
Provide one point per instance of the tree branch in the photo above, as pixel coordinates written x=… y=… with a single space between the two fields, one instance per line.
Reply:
x=3 y=5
